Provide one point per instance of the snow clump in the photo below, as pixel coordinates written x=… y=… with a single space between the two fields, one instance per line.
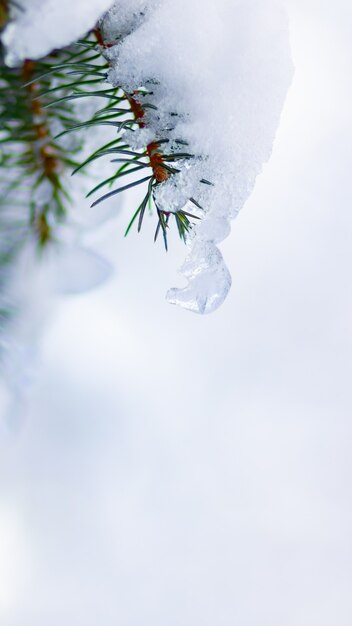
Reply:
x=222 y=71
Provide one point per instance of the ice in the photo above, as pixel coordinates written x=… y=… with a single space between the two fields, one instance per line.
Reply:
x=43 y=25
x=209 y=279
x=224 y=68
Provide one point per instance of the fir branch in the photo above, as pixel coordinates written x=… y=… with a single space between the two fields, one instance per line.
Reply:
x=132 y=111
x=30 y=152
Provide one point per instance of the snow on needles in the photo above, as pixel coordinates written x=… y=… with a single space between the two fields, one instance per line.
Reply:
x=220 y=69
x=224 y=68
x=42 y=25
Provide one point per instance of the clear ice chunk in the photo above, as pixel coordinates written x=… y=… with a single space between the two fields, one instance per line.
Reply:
x=208 y=278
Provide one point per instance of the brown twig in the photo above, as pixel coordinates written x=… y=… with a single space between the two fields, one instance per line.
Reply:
x=49 y=164
x=161 y=174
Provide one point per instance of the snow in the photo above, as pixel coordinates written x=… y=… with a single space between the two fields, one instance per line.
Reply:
x=217 y=76
x=225 y=69
x=43 y=25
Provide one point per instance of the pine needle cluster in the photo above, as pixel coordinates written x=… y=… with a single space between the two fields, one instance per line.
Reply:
x=156 y=163
x=39 y=98
x=33 y=162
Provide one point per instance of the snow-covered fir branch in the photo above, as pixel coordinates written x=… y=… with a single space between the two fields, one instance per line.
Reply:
x=187 y=102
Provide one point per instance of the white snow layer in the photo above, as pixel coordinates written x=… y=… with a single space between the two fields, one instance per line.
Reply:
x=224 y=67
x=42 y=25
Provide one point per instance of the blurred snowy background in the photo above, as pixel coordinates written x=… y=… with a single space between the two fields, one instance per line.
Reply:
x=183 y=471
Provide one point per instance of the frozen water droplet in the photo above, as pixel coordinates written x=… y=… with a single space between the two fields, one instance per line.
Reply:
x=209 y=280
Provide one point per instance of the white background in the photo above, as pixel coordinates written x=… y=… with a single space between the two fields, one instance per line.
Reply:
x=176 y=470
